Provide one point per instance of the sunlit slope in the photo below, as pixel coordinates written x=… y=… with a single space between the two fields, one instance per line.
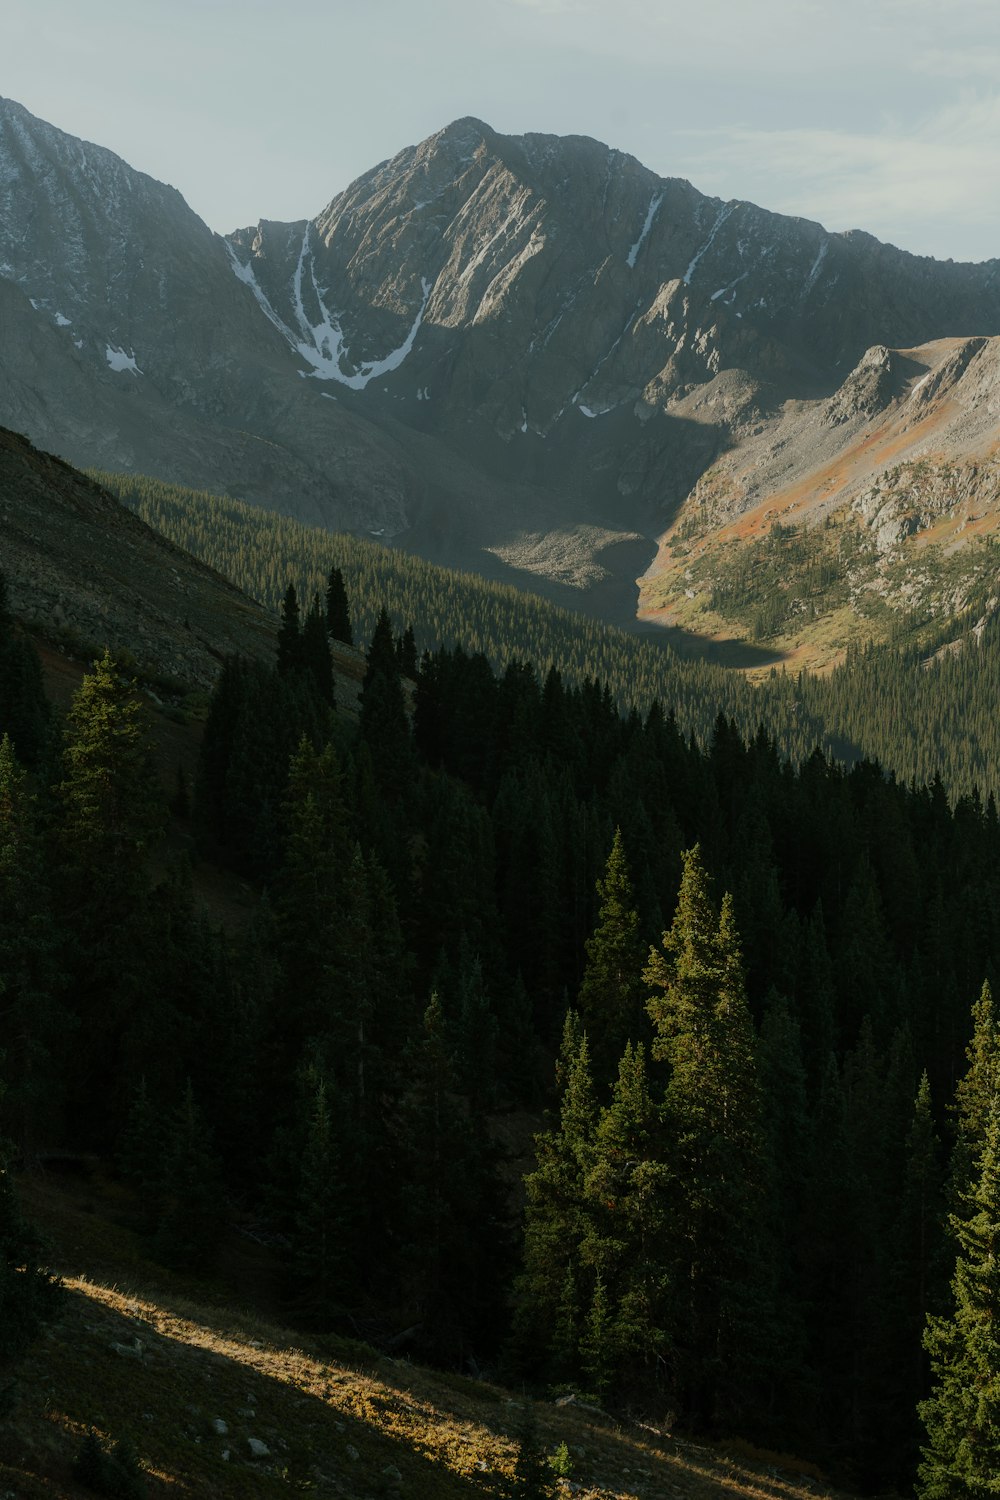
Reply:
x=866 y=516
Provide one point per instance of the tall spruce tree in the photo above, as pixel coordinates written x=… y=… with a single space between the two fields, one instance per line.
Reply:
x=611 y=992
x=917 y=1285
x=325 y=1249
x=453 y=1240
x=111 y=804
x=406 y=653
x=625 y=1341
x=975 y=1092
x=550 y=1311
x=718 y=1156
x=315 y=648
x=385 y=727
x=309 y=896
x=338 y=614
x=109 y=812
x=289 y=633
x=962 y=1415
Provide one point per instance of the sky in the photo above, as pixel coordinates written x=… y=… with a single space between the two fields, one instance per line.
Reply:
x=881 y=115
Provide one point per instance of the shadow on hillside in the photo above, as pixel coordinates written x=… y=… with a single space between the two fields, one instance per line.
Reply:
x=371 y=1424
x=310 y=1399
x=323 y=1424
x=730 y=652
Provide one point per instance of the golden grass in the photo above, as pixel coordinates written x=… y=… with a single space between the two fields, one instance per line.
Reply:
x=137 y=1353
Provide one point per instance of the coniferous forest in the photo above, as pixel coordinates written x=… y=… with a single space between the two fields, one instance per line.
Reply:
x=924 y=706
x=558 y=1045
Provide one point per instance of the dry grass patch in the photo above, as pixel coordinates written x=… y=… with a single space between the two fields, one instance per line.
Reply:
x=196 y=1385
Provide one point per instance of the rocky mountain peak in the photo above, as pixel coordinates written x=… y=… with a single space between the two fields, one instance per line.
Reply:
x=483 y=336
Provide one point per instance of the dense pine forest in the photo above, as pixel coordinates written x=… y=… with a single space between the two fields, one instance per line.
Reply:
x=739 y=992
x=922 y=707
x=558 y=1046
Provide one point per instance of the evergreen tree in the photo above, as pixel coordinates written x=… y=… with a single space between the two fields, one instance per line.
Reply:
x=385 y=727
x=310 y=896
x=975 y=1092
x=712 y=1112
x=117 y=1473
x=406 y=653
x=111 y=806
x=381 y=658
x=289 y=633
x=962 y=1414
x=324 y=1244
x=315 y=651
x=916 y=1285
x=476 y=1032
x=611 y=991
x=109 y=811
x=338 y=615
x=548 y=1308
x=625 y=1340
x=533 y=1478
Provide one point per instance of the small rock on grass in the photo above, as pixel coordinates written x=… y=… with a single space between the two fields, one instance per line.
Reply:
x=258 y=1449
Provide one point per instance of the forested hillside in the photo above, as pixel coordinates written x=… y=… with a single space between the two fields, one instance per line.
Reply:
x=741 y=989
x=920 y=715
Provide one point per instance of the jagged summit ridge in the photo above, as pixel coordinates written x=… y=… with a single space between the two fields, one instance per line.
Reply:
x=483 y=338
x=622 y=286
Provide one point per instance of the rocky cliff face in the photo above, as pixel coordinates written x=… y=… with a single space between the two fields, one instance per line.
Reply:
x=484 y=343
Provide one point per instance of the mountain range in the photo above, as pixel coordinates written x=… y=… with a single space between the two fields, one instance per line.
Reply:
x=530 y=355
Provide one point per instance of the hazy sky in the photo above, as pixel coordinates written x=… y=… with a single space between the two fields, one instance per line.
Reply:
x=875 y=114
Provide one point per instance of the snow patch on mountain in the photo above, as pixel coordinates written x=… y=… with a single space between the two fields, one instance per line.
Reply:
x=817 y=266
x=721 y=218
x=118 y=360
x=729 y=291
x=322 y=344
x=651 y=212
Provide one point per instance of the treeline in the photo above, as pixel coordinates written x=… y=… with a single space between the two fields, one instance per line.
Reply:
x=886 y=703
x=737 y=1210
